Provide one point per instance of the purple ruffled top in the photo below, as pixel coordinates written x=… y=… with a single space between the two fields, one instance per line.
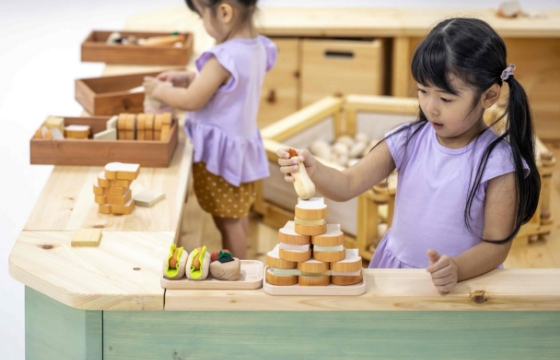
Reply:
x=224 y=132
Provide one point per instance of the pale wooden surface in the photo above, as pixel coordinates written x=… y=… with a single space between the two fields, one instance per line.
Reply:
x=122 y=273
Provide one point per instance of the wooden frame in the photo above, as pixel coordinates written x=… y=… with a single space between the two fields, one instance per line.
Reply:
x=376 y=204
x=95 y=48
x=110 y=95
x=100 y=152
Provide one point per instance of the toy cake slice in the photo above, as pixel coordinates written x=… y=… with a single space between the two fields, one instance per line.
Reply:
x=297 y=249
x=314 y=273
x=329 y=247
x=349 y=270
x=273 y=260
x=280 y=280
x=311 y=209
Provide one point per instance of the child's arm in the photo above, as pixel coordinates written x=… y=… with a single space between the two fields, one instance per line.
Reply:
x=177 y=78
x=212 y=76
x=499 y=220
x=341 y=185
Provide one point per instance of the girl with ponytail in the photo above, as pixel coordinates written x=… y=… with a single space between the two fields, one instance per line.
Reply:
x=463 y=190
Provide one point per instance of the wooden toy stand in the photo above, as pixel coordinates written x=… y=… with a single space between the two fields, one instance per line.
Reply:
x=251 y=277
x=95 y=48
x=332 y=117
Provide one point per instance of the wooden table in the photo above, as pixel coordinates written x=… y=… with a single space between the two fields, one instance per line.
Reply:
x=106 y=302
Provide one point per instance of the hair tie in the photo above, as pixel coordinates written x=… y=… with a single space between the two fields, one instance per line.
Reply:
x=507 y=72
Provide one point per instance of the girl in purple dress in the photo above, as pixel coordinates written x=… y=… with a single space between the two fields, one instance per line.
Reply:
x=463 y=190
x=222 y=101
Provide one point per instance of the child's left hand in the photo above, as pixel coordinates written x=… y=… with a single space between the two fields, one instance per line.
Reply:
x=443 y=270
x=150 y=85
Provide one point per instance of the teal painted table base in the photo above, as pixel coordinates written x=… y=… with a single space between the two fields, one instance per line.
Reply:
x=56 y=331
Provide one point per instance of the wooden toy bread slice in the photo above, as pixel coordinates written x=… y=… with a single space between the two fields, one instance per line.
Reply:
x=311 y=230
x=306 y=280
x=121 y=126
x=329 y=256
x=140 y=127
x=100 y=199
x=295 y=256
x=288 y=235
x=175 y=263
x=116 y=190
x=149 y=127
x=346 y=280
x=118 y=170
x=230 y=271
x=131 y=127
x=332 y=237
x=313 y=266
x=105 y=209
x=198 y=264
x=273 y=260
x=119 y=199
x=125 y=209
x=77 y=131
x=103 y=182
x=311 y=209
x=352 y=262
x=98 y=190
x=53 y=122
x=280 y=280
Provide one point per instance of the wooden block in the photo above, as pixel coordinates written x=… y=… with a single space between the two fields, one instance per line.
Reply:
x=48 y=135
x=311 y=209
x=53 y=122
x=121 y=126
x=288 y=235
x=105 y=209
x=333 y=237
x=112 y=122
x=125 y=209
x=273 y=260
x=131 y=127
x=38 y=134
x=158 y=122
x=148 y=198
x=313 y=266
x=101 y=199
x=77 y=131
x=329 y=256
x=346 y=280
x=295 y=256
x=280 y=280
x=165 y=131
x=103 y=182
x=86 y=237
x=116 y=190
x=98 y=190
x=304 y=280
x=119 y=199
x=149 y=127
x=351 y=263
x=109 y=134
x=310 y=230
x=140 y=127
x=118 y=170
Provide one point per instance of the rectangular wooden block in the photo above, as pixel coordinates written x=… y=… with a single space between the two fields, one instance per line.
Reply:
x=109 y=134
x=125 y=209
x=101 y=152
x=122 y=171
x=95 y=48
x=148 y=198
x=119 y=199
x=86 y=237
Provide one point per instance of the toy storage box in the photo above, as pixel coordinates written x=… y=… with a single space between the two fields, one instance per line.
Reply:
x=332 y=117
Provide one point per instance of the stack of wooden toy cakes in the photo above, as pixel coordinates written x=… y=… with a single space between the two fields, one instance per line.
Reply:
x=311 y=252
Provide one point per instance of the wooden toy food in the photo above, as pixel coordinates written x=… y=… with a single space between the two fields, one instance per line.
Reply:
x=302 y=183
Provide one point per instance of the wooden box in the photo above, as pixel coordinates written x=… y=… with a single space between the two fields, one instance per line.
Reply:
x=89 y=152
x=95 y=48
x=360 y=217
x=111 y=95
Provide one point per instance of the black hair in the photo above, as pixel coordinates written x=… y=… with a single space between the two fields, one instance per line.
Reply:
x=470 y=50
x=248 y=6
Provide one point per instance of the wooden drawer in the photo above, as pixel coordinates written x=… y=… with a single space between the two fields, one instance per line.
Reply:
x=280 y=91
x=340 y=67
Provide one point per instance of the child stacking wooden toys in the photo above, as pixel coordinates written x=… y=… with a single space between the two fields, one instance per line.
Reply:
x=310 y=251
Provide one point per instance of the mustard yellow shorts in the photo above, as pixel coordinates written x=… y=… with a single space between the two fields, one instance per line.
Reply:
x=218 y=197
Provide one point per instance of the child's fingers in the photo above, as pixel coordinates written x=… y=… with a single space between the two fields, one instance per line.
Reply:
x=443 y=279
x=283 y=153
x=289 y=178
x=436 y=266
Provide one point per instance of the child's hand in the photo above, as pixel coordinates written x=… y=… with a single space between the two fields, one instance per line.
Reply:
x=443 y=270
x=177 y=78
x=288 y=165
x=150 y=86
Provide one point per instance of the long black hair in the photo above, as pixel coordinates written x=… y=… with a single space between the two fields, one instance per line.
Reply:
x=472 y=51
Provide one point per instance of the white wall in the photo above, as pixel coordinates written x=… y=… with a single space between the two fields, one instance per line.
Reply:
x=39 y=60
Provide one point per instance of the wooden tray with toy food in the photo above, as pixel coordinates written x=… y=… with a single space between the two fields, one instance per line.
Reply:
x=201 y=271
x=138 y=47
x=110 y=95
x=145 y=139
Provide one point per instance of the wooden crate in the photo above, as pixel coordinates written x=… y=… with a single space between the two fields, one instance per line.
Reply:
x=341 y=67
x=95 y=48
x=332 y=117
x=88 y=152
x=111 y=95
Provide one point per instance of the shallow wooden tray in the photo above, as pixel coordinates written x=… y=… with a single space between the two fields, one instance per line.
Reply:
x=251 y=278
x=95 y=48
x=331 y=289
x=111 y=95
x=89 y=152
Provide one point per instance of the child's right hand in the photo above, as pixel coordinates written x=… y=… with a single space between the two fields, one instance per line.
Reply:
x=288 y=165
x=177 y=78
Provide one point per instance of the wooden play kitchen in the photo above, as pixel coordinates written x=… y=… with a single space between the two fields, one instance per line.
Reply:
x=107 y=302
